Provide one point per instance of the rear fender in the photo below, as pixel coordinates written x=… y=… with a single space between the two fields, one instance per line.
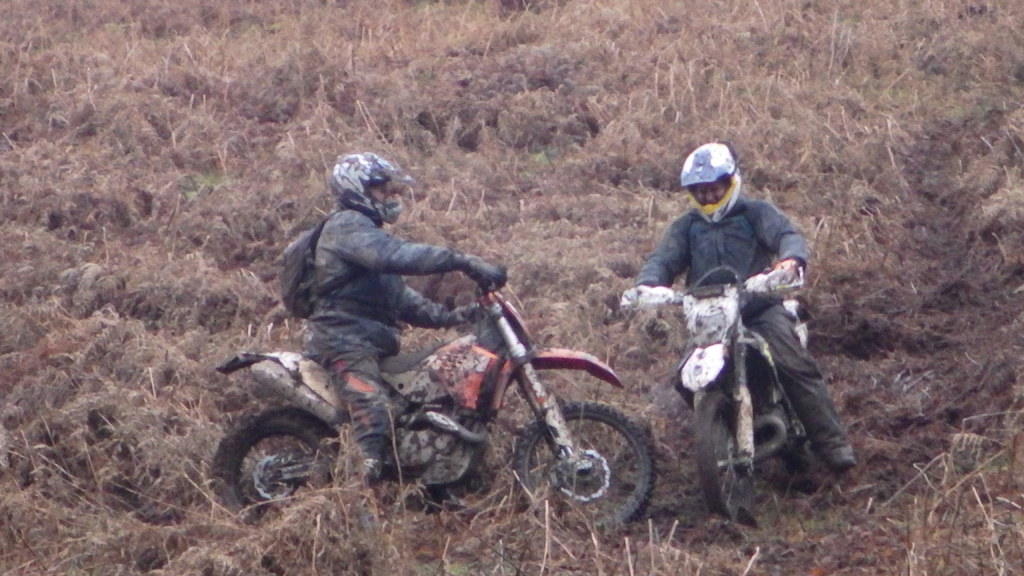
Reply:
x=565 y=359
x=293 y=376
x=242 y=360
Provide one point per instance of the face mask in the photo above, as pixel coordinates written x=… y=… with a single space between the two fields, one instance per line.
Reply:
x=390 y=211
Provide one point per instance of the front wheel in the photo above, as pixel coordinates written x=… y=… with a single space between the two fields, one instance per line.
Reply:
x=726 y=479
x=613 y=477
x=269 y=456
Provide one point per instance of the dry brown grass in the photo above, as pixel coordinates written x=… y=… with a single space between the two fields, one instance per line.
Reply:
x=155 y=157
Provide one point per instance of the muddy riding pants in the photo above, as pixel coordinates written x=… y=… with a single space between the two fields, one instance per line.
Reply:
x=359 y=383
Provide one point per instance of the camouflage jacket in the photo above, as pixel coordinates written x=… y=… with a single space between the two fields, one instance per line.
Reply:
x=749 y=239
x=359 y=293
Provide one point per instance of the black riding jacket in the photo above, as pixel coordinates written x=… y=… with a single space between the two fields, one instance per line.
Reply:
x=751 y=237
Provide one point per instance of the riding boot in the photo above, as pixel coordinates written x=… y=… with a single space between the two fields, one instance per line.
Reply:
x=814 y=408
x=375 y=449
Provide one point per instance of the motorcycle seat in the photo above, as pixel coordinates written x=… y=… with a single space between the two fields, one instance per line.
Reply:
x=404 y=362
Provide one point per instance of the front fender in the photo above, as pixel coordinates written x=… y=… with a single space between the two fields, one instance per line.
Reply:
x=565 y=359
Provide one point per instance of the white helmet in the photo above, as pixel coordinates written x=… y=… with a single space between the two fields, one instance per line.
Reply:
x=354 y=174
x=713 y=162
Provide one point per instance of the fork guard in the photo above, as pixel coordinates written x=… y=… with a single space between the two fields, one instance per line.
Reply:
x=702 y=366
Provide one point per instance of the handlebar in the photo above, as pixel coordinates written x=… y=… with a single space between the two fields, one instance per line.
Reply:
x=771 y=282
x=649 y=297
x=775 y=281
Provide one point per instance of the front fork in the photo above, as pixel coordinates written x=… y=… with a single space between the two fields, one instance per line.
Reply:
x=743 y=429
x=744 y=406
x=543 y=404
x=546 y=407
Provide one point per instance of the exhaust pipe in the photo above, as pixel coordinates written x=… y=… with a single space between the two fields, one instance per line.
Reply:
x=769 y=435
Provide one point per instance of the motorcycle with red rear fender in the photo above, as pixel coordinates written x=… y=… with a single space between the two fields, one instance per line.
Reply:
x=584 y=456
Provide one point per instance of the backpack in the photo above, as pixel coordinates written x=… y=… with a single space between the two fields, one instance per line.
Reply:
x=298 y=263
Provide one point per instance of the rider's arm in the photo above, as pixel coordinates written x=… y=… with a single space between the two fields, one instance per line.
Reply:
x=354 y=238
x=418 y=310
x=670 y=259
x=776 y=232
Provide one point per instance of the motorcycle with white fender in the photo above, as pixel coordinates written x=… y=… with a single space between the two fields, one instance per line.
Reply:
x=587 y=456
x=727 y=375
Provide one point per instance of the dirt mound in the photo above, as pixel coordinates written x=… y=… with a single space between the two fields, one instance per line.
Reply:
x=154 y=161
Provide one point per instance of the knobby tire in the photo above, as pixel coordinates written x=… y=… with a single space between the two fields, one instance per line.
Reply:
x=626 y=446
x=728 y=488
x=287 y=425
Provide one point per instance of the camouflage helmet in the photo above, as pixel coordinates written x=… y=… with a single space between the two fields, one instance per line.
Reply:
x=355 y=174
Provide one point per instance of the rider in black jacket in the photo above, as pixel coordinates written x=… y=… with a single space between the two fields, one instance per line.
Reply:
x=359 y=295
x=749 y=236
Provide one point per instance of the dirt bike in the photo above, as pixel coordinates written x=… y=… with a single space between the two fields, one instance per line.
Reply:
x=727 y=375
x=589 y=455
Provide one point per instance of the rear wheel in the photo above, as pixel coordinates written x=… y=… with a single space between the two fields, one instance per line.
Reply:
x=611 y=481
x=271 y=455
x=725 y=480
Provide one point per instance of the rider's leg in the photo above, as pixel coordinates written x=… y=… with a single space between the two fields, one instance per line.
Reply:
x=359 y=383
x=805 y=386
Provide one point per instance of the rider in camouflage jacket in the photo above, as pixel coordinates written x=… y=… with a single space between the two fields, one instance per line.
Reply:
x=359 y=295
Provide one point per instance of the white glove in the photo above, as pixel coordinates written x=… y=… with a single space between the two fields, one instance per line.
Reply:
x=785 y=276
x=646 y=296
x=630 y=297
